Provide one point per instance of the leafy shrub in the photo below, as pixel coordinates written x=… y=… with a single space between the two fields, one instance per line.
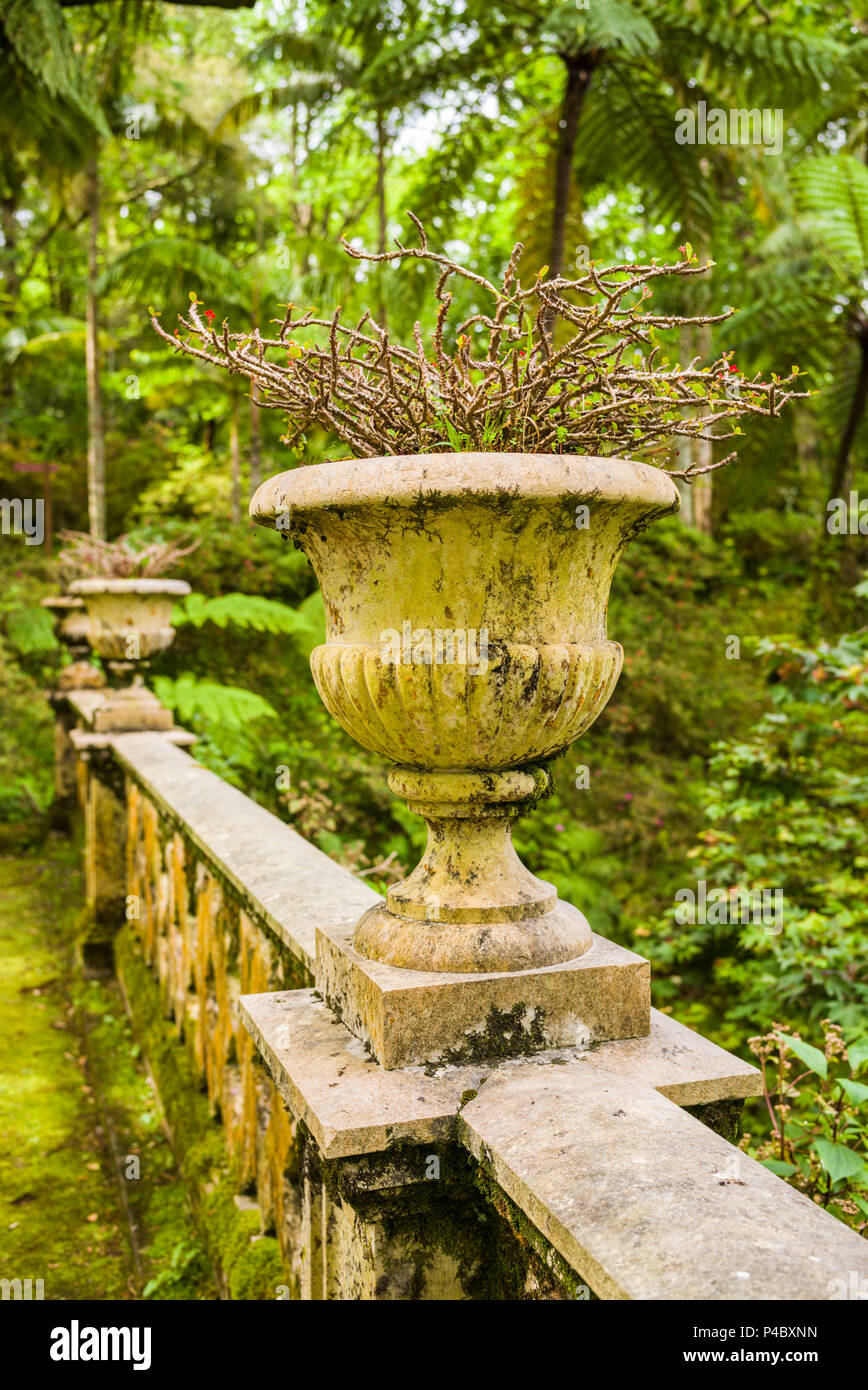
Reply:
x=819 y=1138
x=785 y=808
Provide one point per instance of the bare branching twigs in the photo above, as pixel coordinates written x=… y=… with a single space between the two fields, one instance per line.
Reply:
x=562 y=366
x=84 y=557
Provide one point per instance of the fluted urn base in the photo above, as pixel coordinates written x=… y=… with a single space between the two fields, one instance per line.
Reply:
x=471 y=906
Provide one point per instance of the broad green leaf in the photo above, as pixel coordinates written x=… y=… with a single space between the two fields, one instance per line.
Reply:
x=777 y=1165
x=811 y=1056
x=838 y=1161
x=857 y=1055
x=855 y=1091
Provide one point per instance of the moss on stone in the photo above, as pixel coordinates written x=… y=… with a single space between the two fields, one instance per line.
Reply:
x=507 y=1033
x=247 y=1264
x=459 y=1215
x=723 y=1116
x=75 y=1105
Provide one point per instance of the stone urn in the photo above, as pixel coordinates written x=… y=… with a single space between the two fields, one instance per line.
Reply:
x=70 y=628
x=465 y=599
x=70 y=622
x=129 y=622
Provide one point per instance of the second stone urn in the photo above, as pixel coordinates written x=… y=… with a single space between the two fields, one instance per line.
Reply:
x=465 y=599
x=129 y=622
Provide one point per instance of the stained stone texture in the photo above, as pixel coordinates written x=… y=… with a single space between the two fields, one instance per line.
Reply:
x=132 y=709
x=679 y=1063
x=105 y=840
x=121 y=609
x=85 y=703
x=409 y=1016
x=352 y=1106
x=80 y=675
x=645 y=1200
x=466 y=542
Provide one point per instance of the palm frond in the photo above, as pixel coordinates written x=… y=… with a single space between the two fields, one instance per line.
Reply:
x=636 y=105
x=167 y=268
x=833 y=191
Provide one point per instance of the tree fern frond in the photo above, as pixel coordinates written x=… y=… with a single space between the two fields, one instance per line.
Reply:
x=39 y=45
x=166 y=268
x=634 y=104
x=310 y=89
x=241 y=610
x=227 y=706
x=768 y=58
x=299 y=50
x=602 y=24
x=833 y=191
x=620 y=24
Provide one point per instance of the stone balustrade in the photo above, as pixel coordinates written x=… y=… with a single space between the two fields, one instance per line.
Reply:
x=604 y=1170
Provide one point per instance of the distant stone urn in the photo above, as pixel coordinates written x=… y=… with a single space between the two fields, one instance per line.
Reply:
x=71 y=625
x=129 y=622
x=465 y=599
x=70 y=622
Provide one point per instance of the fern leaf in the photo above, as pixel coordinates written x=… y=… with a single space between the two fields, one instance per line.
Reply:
x=241 y=610
x=31 y=631
x=226 y=706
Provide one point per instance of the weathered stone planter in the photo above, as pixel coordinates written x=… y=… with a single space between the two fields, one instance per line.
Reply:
x=70 y=622
x=130 y=621
x=465 y=599
x=71 y=625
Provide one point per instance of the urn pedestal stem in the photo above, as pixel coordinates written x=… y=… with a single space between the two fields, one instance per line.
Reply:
x=470 y=905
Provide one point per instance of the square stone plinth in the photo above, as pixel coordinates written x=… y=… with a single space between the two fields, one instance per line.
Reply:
x=131 y=717
x=407 y=1017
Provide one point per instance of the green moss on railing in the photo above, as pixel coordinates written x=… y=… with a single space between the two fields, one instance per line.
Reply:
x=246 y=1262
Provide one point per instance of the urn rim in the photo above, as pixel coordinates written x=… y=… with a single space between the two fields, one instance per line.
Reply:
x=149 y=587
x=401 y=480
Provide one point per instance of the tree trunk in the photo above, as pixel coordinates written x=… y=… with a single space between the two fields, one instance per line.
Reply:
x=235 y=457
x=381 y=182
x=807 y=441
x=703 y=449
x=841 y=474
x=579 y=68
x=11 y=276
x=381 y=211
x=255 y=446
x=95 y=430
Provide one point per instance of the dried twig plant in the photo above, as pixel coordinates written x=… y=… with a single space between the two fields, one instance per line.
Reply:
x=562 y=366
x=84 y=557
